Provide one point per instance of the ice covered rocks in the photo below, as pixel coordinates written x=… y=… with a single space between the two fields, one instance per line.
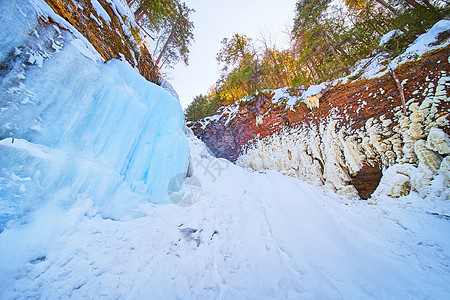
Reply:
x=438 y=141
x=428 y=159
x=396 y=181
x=445 y=169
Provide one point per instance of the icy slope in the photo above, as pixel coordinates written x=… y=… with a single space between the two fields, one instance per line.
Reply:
x=74 y=127
x=249 y=236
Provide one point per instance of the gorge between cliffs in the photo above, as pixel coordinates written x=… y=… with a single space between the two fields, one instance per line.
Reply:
x=289 y=179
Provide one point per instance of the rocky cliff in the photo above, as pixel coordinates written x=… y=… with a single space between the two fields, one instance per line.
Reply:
x=349 y=134
x=108 y=27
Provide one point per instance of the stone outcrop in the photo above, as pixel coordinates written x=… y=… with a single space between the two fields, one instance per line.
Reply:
x=115 y=37
x=356 y=130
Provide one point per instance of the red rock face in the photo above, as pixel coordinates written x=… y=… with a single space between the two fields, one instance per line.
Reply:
x=352 y=104
x=366 y=181
x=109 y=39
x=346 y=101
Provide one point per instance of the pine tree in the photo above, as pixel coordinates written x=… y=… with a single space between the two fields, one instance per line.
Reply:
x=170 y=23
x=176 y=37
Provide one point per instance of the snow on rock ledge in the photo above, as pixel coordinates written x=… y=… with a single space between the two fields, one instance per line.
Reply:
x=358 y=132
x=333 y=152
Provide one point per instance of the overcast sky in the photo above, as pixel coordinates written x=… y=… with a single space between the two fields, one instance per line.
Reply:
x=216 y=19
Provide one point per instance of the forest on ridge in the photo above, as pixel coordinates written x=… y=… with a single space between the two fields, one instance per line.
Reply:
x=326 y=40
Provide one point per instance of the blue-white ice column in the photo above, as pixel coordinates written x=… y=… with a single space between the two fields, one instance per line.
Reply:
x=73 y=127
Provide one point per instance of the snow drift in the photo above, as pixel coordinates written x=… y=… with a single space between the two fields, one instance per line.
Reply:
x=74 y=127
x=249 y=236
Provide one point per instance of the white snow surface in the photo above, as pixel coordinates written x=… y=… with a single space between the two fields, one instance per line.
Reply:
x=375 y=67
x=283 y=95
x=231 y=111
x=385 y=38
x=423 y=43
x=249 y=236
x=100 y=10
x=87 y=147
x=314 y=90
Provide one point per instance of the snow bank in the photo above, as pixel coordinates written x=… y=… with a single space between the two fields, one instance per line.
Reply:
x=72 y=127
x=230 y=111
x=424 y=42
x=100 y=10
x=375 y=67
x=249 y=236
x=281 y=95
x=310 y=96
x=388 y=36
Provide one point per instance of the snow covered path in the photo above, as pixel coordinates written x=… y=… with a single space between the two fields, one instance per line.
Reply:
x=250 y=236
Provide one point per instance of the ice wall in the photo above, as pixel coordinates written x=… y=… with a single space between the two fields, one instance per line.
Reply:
x=72 y=126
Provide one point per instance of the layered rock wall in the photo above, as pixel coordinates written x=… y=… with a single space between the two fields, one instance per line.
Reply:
x=108 y=27
x=358 y=130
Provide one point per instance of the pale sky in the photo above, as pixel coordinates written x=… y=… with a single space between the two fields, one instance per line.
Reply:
x=216 y=19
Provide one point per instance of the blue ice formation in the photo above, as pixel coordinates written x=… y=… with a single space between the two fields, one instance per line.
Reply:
x=72 y=126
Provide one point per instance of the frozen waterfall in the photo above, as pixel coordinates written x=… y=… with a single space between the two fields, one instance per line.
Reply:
x=72 y=126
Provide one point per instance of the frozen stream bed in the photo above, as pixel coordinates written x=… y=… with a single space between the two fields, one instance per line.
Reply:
x=249 y=236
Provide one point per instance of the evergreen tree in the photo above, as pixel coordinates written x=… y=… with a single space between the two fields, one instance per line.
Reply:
x=170 y=23
x=242 y=72
x=235 y=50
x=175 y=37
x=326 y=41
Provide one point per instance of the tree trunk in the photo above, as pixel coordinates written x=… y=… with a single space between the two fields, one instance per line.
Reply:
x=164 y=48
x=333 y=50
x=399 y=87
x=372 y=24
x=138 y=14
x=310 y=72
x=313 y=70
x=274 y=61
